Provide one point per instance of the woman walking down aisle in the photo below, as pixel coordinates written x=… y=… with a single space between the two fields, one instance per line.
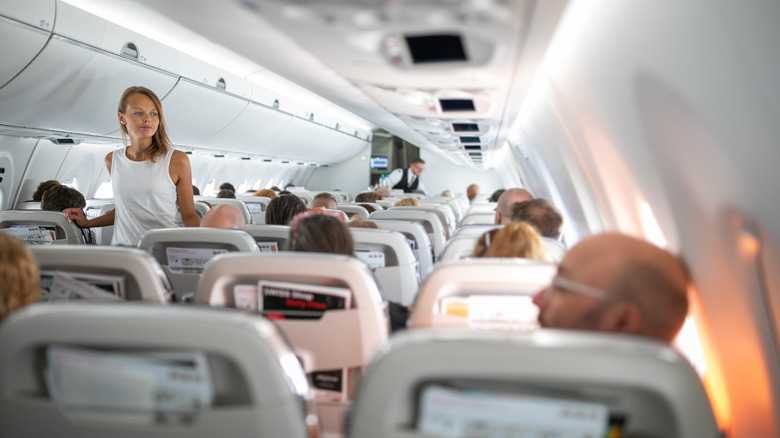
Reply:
x=149 y=177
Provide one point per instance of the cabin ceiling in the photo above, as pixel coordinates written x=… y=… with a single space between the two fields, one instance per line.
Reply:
x=448 y=76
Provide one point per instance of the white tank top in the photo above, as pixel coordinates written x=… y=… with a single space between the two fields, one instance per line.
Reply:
x=144 y=195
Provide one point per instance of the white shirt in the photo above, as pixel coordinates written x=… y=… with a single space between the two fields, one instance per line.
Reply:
x=396 y=175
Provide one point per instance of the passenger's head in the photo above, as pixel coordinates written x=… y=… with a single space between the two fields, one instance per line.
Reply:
x=325 y=200
x=369 y=208
x=497 y=194
x=539 y=213
x=282 y=209
x=512 y=240
x=268 y=193
x=320 y=232
x=59 y=198
x=505 y=201
x=227 y=186
x=142 y=102
x=365 y=197
x=226 y=193
x=359 y=222
x=382 y=193
x=276 y=189
x=417 y=165
x=407 y=202
x=195 y=191
x=224 y=216
x=615 y=283
x=42 y=187
x=19 y=282
x=447 y=193
x=472 y=191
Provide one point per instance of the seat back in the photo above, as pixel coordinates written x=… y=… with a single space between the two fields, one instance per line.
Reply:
x=29 y=205
x=474 y=230
x=40 y=227
x=237 y=375
x=256 y=206
x=555 y=248
x=458 y=248
x=336 y=347
x=131 y=273
x=444 y=214
x=353 y=209
x=429 y=220
x=531 y=382
x=270 y=238
x=104 y=235
x=239 y=204
x=183 y=252
x=390 y=256
x=478 y=219
x=416 y=235
x=482 y=293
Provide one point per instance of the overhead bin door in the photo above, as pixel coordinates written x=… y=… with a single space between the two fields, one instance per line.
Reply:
x=195 y=112
x=24 y=29
x=74 y=88
x=251 y=130
x=304 y=140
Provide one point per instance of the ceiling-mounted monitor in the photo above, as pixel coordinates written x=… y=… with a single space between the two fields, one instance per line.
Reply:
x=465 y=127
x=456 y=105
x=436 y=48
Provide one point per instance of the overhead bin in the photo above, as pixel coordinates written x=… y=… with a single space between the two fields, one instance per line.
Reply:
x=36 y=13
x=304 y=140
x=195 y=112
x=21 y=43
x=251 y=130
x=75 y=88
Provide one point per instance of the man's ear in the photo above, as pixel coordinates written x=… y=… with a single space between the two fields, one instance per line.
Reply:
x=497 y=220
x=622 y=318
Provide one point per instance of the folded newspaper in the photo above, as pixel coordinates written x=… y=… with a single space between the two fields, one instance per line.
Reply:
x=139 y=387
x=63 y=286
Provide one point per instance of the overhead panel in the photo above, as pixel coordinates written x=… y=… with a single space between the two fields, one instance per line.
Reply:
x=251 y=130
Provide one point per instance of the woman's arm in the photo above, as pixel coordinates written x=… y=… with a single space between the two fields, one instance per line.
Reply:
x=77 y=215
x=181 y=175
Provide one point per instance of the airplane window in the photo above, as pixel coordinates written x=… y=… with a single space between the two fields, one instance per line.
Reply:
x=689 y=344
x=105 y=191
x=210 y=190
x=243 y=187
x=651 y=227
x=72 y=183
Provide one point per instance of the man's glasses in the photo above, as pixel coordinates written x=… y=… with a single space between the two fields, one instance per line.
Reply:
x=583 y=289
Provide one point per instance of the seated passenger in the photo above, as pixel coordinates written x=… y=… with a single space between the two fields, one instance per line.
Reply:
x=382 y=193
x=224 y=216
x=195 y=191
x=512 y=240
x=365 y=197
x=227 y=186
x=267 y=193
x=472 y=191
x=226 y=193
x=19 y=281
x=60 y=198
x=448 y=193
x=369 y=208
x=325 y=200
x=541 y=214
x=42 y=187
x=408 y=202
x=359 y=222
x=497 y=194
x=505 y=202
x=616 y=283
x=282 y=209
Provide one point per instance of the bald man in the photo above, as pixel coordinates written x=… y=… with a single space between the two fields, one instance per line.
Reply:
x=224 y=216
x=505 y=202
x=615 y=283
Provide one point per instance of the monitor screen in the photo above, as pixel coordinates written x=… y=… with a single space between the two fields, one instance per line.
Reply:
x=379 y=162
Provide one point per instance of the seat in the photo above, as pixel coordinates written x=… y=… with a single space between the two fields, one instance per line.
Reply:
x=353 y=209
x=542 y=383
x=418 y=239
x=474 y=230
x=340 y=343
x=201 y=208
x=482 y=207
x=305 y=195
x=433 y=225
x=140 y=276
x=392 y=260
x=247 y=379
x=478 y=219
x=376 y=206
x=342 y=196
x=183 y=252
x=104 y=235
x=458 y=248
x=256 y=206
x=482 y=293
x=29 y=205
x=444 y=214
x=451 y=203
x=341 y=213
x=269 y=237
x=556 y=249
x=52 y=225
x=239 y=204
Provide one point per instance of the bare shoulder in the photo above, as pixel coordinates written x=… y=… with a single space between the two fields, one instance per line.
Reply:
x=108 y=160
x=179 y=158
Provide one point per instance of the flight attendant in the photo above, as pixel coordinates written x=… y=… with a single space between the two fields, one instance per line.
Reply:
x=149 y=177
x=408 y=180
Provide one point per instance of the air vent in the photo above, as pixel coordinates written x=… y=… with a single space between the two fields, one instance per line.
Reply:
x=475 y=154
x=301 y=164
x=285 y=162
x=267 y=161
x=435 y=48
x=473 y=147
x=246 y=158
x=63 y=140
x=221 y=84
x=188 y=152
x=465 y=127
x=129 y=50
x=219 y=156
x=456 y=104
x=469 y=139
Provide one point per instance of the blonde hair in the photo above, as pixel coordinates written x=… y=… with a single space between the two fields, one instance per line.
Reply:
x=512 y=240
x=160 y=140
x=267 y=193
x=407 y=202
x=19 y=281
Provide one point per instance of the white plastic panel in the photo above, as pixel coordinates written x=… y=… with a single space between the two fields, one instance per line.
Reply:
x=21 y=44
x=195 y=112
x=73 y=88
x=304 y=140
x=251 y=129
x=38 y=13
